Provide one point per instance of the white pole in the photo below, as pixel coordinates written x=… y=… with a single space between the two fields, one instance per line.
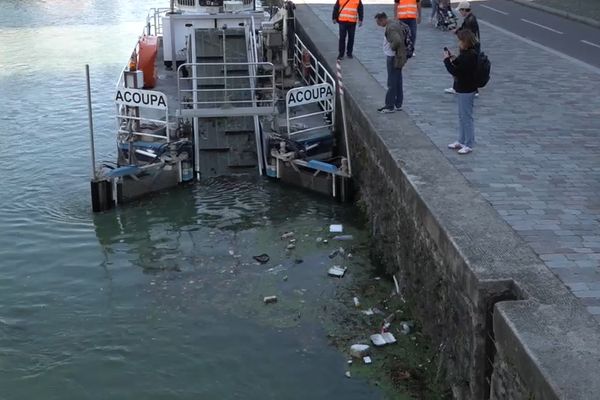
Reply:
x=91 y=122
x=341 y=91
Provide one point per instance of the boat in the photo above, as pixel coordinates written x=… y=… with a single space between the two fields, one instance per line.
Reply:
x=222 y=87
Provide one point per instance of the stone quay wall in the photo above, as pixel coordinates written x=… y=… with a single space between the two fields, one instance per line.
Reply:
x=505 y=326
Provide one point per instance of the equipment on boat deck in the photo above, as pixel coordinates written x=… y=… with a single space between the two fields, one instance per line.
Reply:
x=235 y=90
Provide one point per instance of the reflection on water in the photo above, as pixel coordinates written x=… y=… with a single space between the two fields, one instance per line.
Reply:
x=160 y=299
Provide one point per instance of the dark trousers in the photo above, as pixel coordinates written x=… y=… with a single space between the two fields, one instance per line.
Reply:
x=412 y=24
x=394 y=95
x=346 y=28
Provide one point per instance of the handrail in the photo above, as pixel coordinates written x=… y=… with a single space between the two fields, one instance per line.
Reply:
x=314 y=73
x=223 y=89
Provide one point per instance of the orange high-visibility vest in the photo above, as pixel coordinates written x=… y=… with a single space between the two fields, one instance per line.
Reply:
x=406 y=9
x=350 y=11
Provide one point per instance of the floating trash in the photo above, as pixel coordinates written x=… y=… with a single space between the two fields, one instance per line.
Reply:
x=343 y=237
x=406 y=327
x=270 y=299
x=378 y=340
x=335 y=228
x=356 y=302
x=337 y=271
x=348 y=375
x=359 y=350
x=291 y=246
x=287 y=235
x=368 y=311
x=262 y=258
x=367 y=360
x=388 y=337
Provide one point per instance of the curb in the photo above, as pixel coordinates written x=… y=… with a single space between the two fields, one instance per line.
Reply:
x=561 y=13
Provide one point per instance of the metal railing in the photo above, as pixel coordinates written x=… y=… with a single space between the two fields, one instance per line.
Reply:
x=221 y=86
x=312 y=72
x=154 y=25
x=197 y=5
x=131 y=121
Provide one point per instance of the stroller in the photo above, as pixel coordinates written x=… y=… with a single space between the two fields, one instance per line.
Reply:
x=445 y=18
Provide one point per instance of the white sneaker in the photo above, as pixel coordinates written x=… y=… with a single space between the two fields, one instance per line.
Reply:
x=455 y=146
x=465 y=150
x=450 y=90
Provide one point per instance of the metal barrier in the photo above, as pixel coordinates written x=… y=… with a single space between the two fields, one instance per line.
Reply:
x=227 y=89
x=198 y=5
x=154 y=25
x=130 y=120
x=319 y=82
x=313 y=73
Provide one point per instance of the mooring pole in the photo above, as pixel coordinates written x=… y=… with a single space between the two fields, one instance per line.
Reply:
x=341 y=91
x=91 y=122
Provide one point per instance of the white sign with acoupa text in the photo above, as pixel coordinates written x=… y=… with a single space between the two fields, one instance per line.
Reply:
x=309 y=94
x=141 y=98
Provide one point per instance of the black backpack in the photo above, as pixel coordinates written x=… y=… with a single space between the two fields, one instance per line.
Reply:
x=482 y=72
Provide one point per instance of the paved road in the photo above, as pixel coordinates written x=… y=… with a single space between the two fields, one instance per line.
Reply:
x=537 y=156
x=566 y=36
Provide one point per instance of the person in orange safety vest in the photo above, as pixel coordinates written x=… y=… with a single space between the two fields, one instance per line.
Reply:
x=409 y=12
x=347 y=13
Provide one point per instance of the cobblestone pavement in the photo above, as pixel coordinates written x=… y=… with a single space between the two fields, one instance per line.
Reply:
x=537 y=155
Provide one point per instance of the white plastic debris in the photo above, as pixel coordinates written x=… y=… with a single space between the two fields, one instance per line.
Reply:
x=337 y=271
x=291 y=246
x=270 y=299
x=406 y=327
x=287 y=235
x=231 y=252
x=388 y=337
x=349 y=362
x=378 y=340
x=348 y=375
x=368 y=311
x=356 y=302
x=343 y=237
x=335 y=228
x=367 y=360
x=359 y=350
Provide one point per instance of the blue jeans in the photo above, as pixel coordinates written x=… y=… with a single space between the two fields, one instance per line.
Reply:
x=394 y=95
x=466 y=129
x=412 y=24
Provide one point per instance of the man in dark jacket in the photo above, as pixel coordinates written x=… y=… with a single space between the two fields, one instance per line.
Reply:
x=394 y=48
x=347 y=13
x=469 y=21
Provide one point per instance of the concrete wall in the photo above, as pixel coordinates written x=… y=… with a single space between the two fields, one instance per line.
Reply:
x=506 y=327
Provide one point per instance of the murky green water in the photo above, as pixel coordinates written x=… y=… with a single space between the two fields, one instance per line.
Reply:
x=161 y=299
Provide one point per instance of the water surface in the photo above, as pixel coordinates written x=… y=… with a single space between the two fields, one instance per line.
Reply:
x=160 y=299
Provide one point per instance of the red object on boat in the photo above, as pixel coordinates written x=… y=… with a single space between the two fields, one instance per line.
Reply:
x=148 y=48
